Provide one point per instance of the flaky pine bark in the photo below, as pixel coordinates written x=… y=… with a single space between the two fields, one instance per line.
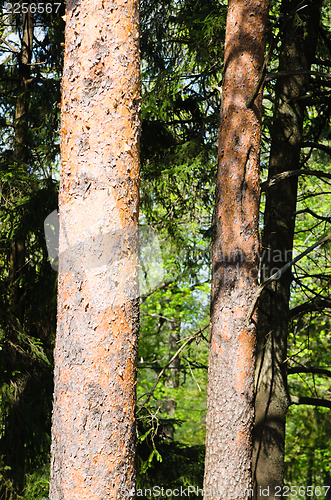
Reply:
x=297 y=52
x=93 y=429
x=235 y=258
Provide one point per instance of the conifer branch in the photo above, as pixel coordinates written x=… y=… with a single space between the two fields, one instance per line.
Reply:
x=280 y=273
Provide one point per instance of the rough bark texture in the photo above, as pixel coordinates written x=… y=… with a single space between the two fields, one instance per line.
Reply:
x=93 y=432
x=235 y=257
x=271 y=404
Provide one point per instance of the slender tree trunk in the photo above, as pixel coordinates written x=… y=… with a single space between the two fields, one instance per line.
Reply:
x=235 y=258
x=21 y=108
x=271 y=404
x=93 y=434
x=17 y=252
x=13 y=440
x=310 y=478
x=172 y=382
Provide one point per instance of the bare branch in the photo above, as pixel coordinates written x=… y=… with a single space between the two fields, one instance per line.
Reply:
x=281 y=74
x=279 y=274
x=10 y=46
x=326 y=218
x=261 y=79
x=302 y=400
x=165 y=284
x=311 y=306
x=154 y=315
x=309 y=369
x=317 y=98
x=316 y=145
x=177 y=353
x=292 y=173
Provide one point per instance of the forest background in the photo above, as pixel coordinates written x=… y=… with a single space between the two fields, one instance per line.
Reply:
x=182 y=46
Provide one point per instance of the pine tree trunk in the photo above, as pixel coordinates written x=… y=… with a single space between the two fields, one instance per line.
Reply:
x=13 y=440
x=21 y=107
x=235 y=259
x=271 y=404
x=169 y=404
x=93 y=433
x=17 y=252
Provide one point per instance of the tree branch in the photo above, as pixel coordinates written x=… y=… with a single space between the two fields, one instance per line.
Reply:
x=177 y=353
x=281 y=74
x=311 y=306
x=309 y=369
x=261 y=80
x=271 y=76
x=311 y=99
x=165 y=284
x=302 y=400
x=326 y=218
x=292 y=173
x=279 y=274
x=10 y=46
x=316 y=145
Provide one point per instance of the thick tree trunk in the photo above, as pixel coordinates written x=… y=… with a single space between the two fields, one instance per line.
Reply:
x=93 y=434
x=235 y=258
x=271 y=404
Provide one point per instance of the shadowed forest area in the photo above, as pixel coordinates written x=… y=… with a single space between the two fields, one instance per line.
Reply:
x=182 y=72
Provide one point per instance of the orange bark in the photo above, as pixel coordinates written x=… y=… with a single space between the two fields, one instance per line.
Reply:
x=93 y=430
x=235 y=256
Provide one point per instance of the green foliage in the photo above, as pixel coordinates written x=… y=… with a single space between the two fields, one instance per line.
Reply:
x=37 y=484
x=28 y=285
x=182 y=53
x=308 y=447
x=163 y=463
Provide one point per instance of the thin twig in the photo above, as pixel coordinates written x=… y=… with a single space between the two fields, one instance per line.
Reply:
x=316 y=145
x=281 y=74
x=309 y=369
x=326 y=218
x=11 y=47
x=260 y=82
x=279 y=274
x=187 y=341
x=316 y=304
